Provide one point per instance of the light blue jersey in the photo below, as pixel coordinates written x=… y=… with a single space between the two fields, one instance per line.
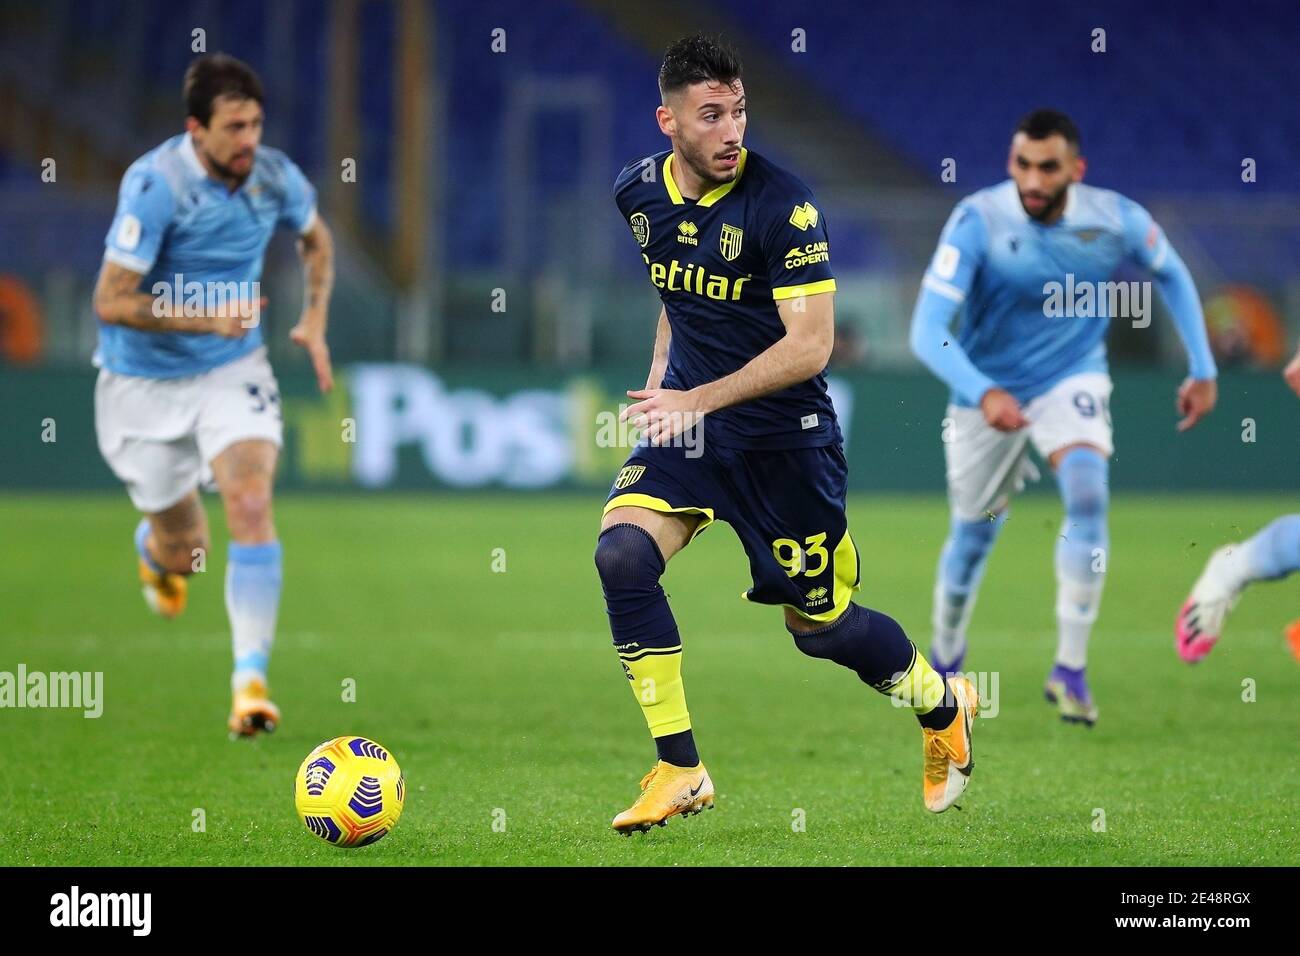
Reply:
x=995 y=264
x=173 y=219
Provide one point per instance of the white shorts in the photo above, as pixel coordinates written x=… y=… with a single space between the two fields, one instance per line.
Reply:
x=159 y=435
x=986 y=466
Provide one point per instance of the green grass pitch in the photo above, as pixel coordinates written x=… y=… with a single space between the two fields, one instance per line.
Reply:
x=501 y=697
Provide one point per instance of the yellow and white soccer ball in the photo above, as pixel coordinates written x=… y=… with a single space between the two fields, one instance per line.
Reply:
x=349 y=791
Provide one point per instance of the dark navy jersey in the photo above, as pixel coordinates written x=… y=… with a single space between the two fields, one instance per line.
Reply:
x=721 y=263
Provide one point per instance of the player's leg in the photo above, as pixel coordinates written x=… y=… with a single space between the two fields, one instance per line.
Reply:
x=1270 y=555
x=1072 y=430
x=239 y=435
x=875 y=647
x=1081 y=548
x=632 y=553
x=171 y=544
x=984 y=468
x=244 y=473
x=641 y=530
x=802 y=556
x=143 y=428
x=962 y=561
x=172 y=540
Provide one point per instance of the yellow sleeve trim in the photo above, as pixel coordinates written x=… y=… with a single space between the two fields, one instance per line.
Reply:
x=812 y=288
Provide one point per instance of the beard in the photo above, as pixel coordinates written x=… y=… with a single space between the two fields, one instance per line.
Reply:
x=225 y=172
x=700 y=165
x=1054 y=205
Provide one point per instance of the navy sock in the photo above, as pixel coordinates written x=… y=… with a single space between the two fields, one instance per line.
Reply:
x=942 y=716
x=678 y=749
x=875 y=647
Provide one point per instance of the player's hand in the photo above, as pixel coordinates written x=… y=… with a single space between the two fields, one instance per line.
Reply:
x=1002 y=411
x=226 y=326
x=1196 y=399
x=233 y=322
x=1292 y=373
x=662 y=414
x=311 y=336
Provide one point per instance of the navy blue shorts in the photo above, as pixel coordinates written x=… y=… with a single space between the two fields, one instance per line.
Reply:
x=787 y=508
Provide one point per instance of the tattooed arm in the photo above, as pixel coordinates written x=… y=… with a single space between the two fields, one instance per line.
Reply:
x=316 y=249
x=119 y=301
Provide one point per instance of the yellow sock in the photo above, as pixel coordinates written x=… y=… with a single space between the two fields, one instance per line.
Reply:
x=655 y=676
x=921 y=688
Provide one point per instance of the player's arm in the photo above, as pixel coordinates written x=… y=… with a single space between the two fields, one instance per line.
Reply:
x=316 y=250
x=145 y=207
x=796 y=357
x=659 y=361
x=119 y=301
x=1148 y=244
x=803 y=288
x=947 y=281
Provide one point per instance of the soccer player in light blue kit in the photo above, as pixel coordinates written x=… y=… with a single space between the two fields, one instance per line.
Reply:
x=1028 y=264
x=1271 y=555
x=185 y=391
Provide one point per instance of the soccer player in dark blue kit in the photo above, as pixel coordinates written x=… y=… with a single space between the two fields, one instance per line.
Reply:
x=738 y=427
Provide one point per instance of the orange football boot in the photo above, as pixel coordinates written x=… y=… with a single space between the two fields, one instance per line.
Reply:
x=949 y=758
x=165 y=593
x=667 y=791
x=251 y=711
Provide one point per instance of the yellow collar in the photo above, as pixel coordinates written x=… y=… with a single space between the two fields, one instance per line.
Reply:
x=713 y=195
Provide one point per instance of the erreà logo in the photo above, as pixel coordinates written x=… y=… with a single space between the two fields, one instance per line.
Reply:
x=804 y=217
x=103 y=909
x=816 y=596
x=640 y=224
x=629 y=475
x=686 y=233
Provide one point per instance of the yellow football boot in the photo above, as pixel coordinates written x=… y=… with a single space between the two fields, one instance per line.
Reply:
x=667 y=791
x=165 y=593
x=948 y=755
x=252 y=711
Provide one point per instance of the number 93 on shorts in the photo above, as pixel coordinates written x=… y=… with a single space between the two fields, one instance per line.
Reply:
x=786 y=506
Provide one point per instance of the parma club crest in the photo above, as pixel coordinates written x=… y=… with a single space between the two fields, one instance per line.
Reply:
x=729 y=241
x=629 y=475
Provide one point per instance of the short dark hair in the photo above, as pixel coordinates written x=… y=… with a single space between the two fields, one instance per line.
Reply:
x=214 y=75
x=1042 y=123
x=697 y=59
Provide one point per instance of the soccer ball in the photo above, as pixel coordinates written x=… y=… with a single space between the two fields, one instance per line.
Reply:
x=349 y=791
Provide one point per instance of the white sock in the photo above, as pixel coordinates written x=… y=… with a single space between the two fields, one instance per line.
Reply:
x=957 y=583
x=952 y=614
x=253 y=577
x=1077 y=605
